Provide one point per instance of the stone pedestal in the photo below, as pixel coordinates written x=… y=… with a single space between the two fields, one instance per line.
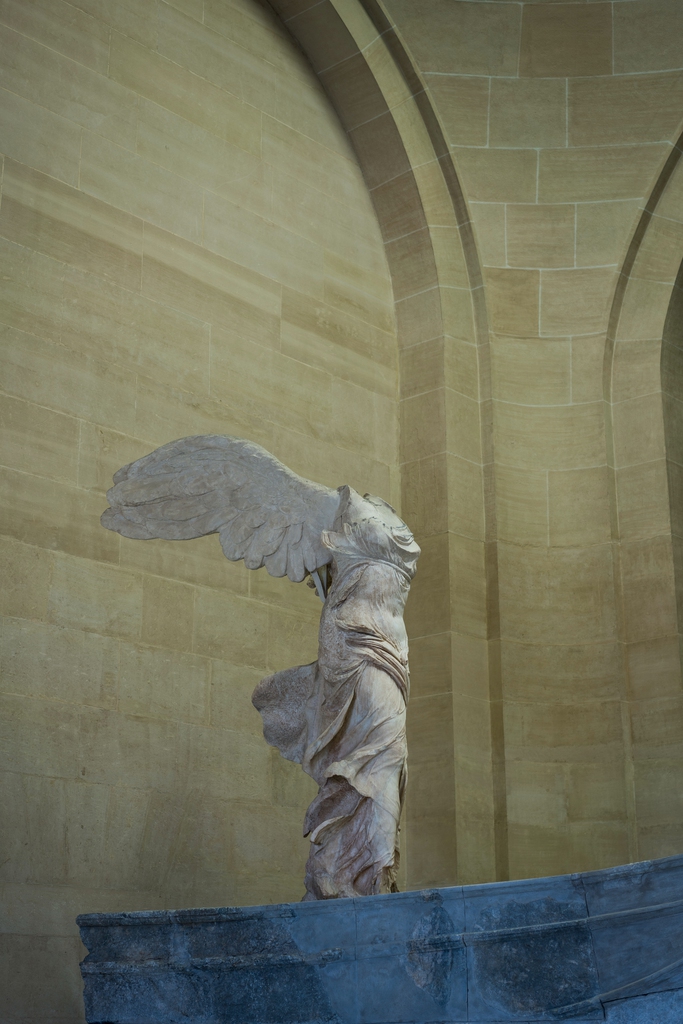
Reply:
x=595 y=946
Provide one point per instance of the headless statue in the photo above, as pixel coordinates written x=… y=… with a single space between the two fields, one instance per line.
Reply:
x=343 y=717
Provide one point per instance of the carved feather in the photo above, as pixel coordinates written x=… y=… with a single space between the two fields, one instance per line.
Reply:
x=262 y=511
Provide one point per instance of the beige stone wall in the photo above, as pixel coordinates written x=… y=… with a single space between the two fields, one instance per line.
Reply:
x=643 y=392
x=672 y=388
x=187 y=246
x=559 y=119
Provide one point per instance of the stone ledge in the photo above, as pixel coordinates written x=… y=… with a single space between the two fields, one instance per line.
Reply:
x=603 y=945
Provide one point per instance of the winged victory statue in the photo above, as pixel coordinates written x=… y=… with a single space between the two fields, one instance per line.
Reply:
x=343 y=717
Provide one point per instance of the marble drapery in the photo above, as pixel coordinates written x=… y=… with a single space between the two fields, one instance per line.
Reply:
x=343 y=717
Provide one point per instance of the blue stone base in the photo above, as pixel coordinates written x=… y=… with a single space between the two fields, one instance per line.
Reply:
x=604 y=945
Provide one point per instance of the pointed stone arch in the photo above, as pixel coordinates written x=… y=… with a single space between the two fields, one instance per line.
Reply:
x=642 y=373
x=446 y=435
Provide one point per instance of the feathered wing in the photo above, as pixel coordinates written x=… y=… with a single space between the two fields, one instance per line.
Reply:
x=263 y=512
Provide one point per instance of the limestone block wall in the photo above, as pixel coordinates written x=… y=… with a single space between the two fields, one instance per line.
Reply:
x=559 y=118
x=642 y=389
x=672 y=387
x=661 y=702
x=551 y=683
x=187 y=246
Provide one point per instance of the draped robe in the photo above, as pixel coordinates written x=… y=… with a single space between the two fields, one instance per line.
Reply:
x=343 y=717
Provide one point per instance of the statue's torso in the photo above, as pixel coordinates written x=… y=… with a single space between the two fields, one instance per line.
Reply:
x=363 y=615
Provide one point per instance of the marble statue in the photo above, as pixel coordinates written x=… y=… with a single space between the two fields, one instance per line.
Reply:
x=343 y=717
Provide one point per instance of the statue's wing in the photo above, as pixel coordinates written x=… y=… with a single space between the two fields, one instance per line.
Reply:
x=263 y=512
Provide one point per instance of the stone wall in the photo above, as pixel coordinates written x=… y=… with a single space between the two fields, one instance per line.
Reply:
x=562 y=121
x=532 y=151
x=187 y=246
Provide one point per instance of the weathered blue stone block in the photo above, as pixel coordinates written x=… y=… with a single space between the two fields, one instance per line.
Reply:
x=606 y=945
x=517 y=934
x=662 y=1008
